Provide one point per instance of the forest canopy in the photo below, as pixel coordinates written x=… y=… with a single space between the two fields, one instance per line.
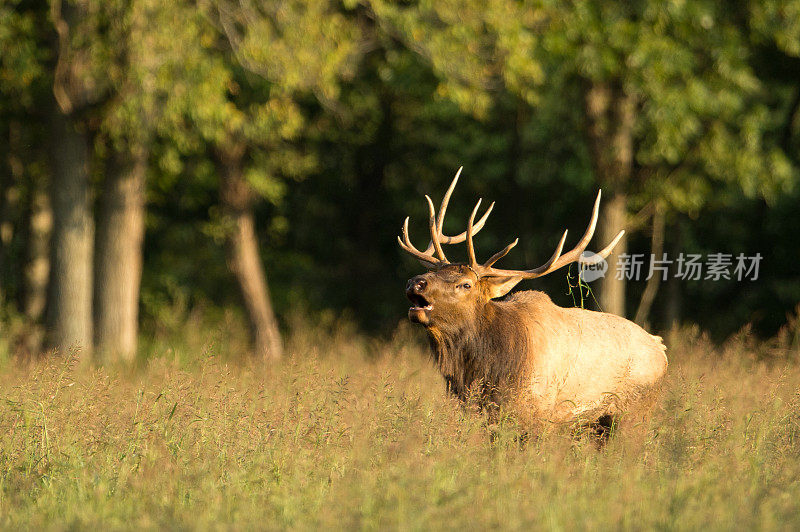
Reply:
x=164 y=158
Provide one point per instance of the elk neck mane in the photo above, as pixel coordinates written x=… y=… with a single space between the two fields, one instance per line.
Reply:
x=490 y=349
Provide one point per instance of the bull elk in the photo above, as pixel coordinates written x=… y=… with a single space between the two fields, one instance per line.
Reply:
x=555 y=364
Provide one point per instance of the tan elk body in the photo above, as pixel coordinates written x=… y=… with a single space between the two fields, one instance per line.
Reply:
x=554 y=364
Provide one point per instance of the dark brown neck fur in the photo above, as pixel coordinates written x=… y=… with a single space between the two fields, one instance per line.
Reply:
x=488 y=351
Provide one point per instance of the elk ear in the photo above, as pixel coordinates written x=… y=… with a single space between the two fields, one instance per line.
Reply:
x=495 y=287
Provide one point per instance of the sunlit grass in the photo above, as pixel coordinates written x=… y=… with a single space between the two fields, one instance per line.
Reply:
x=359 y=433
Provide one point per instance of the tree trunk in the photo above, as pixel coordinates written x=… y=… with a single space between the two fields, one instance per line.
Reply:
x=656 y=253
x=241 y=246
x=118 y=256
x=612 y=221
x=610 y=120
x=69 y=313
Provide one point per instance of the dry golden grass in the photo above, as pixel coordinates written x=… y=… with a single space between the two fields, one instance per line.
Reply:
x=355 y=433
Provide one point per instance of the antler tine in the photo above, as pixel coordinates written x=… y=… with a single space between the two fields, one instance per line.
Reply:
x=500 y=254
x=473 y=263
x=605 y=252
x=426 y=260
x=544 y=269
x=575 y=253
x=549 y=266
x=405 y=234
x=405 y=243
x=461 y=237
x=446 y=201
x=434 y=232
x=444 y=239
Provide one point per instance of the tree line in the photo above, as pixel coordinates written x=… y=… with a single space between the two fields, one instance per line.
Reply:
x=153 y=149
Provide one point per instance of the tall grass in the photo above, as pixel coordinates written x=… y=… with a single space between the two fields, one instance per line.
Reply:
x=358 y=433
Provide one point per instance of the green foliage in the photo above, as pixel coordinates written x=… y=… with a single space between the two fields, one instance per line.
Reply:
x=20 y=62
x=476 y=47
x=271 y=56
x=350 y=111
x=777 y=20
x=701 y=112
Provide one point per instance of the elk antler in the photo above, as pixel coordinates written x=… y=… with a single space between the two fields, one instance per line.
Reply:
x=435 y=225
x=557 y=260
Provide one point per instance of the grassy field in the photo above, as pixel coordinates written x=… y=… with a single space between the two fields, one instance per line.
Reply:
x=356 y=433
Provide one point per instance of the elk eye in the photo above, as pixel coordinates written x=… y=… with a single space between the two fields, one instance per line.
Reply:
x=466 y=286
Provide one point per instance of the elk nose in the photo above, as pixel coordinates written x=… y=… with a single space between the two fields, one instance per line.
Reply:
x=416 y=285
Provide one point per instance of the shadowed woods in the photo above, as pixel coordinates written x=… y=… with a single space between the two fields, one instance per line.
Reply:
x=254 y=159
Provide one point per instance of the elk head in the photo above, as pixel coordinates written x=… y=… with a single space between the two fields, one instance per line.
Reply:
x=451 y=295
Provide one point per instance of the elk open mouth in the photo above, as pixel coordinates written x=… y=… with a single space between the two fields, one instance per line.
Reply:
x=420 y=309
x=419 y=302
